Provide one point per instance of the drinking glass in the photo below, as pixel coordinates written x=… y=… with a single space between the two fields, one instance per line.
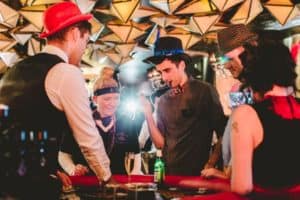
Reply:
x=129 y=163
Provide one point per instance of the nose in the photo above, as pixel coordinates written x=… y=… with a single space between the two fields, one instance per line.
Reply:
x=164 y=77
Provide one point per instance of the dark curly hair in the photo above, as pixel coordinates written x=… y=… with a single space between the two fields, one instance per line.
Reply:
x=268 y=64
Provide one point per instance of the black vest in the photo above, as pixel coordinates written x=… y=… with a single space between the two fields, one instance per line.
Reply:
x=35 y=126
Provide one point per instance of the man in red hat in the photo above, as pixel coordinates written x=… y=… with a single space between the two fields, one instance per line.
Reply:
x=46 y=93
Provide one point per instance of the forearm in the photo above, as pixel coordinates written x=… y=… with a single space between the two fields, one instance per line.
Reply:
x=155 y=133
x=66 y=162
x=215 y=155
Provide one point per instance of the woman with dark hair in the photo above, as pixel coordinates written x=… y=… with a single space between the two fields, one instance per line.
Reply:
x=264 y=152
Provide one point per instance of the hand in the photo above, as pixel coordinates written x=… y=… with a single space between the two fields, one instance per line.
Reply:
x=80 y=170
x=213 y=172
x=146 y=105
x=64 y=178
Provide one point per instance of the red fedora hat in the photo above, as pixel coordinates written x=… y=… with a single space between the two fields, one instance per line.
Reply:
x=60 y=16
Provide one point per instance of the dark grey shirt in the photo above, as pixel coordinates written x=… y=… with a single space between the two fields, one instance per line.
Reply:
x=187 y=121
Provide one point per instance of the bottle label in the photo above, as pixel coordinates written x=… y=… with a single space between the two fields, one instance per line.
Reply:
x=158 y=176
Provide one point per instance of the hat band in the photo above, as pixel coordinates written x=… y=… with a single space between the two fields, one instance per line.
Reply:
x=168 y=52
x=102 y=91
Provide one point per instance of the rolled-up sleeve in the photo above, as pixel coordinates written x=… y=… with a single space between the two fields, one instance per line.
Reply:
x=66 y=89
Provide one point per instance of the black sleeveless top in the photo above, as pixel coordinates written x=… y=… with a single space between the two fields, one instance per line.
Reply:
x=276 y=161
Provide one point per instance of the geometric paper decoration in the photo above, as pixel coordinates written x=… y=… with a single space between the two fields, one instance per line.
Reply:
x=85 y=6
x=188 y=39
x=282 y=10
x=197 y=6
x=247 y=12
x=8 y=16
x=9 y=58
x=38 y=2
x=126 y=32
x=3 y=28
x=164 y=21
x=34 y=47
x=143 y=12
x=6 y=42
x=3 y=67
x=116 y=58
x=152 y=36
x=202 y=24
x=21 y=38
x=34 y=15
x=125 y=49
x=97 y=28
x=111 y=38
x=30 y=28
x=124 y=10
x=168 y=6
x=223 y=5
x=92 y=57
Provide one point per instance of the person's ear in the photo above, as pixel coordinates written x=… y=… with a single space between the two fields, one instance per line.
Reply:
x=73 y=34
x=181 y=65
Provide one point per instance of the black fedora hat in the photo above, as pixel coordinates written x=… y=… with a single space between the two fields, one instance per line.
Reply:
x=167 y=47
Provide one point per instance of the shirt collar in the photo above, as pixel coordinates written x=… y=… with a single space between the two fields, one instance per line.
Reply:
x=51 y=49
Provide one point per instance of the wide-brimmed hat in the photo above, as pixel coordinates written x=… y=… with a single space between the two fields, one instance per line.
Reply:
x=60 y=16
x=167 y=47
x=234 y=36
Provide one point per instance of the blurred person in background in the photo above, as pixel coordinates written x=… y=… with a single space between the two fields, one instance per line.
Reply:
x=232 y=43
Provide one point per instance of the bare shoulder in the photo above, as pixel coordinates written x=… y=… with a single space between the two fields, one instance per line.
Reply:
x=243 y=111
x=246 y=120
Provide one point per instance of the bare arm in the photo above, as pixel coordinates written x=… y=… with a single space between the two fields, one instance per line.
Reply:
x=155 y=134
x=246 y=134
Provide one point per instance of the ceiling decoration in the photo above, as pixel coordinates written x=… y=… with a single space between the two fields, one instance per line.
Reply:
x=85 y=6
x=164 y=21
x=202 y=24
x=6 y=43
x=187 y=38
x=167 y=6
x=223 y=5
x=8 y=16
x=126 y=32
x=247 y=12
x=34 y=47
x=197 y=6
x=34 y=14
x=8 y=58
x=282 y=10
x=124 y=9
x=38 y=2
x=121 y=26
x=97 y=29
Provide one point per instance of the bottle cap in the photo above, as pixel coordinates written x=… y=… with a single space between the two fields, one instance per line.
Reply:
x=158 y=153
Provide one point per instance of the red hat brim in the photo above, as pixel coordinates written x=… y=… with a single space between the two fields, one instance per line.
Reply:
x=67 y=23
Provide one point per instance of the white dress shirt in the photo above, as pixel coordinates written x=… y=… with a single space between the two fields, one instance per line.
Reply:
x=65 y=87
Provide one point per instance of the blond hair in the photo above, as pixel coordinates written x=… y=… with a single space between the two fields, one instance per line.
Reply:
x=105 y=79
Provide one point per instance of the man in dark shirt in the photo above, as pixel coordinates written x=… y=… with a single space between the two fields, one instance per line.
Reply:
x=187 y=114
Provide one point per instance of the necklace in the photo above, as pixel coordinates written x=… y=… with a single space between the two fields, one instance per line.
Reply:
x=108 y=127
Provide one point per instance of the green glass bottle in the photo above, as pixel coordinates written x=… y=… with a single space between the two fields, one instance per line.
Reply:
x=159 y=169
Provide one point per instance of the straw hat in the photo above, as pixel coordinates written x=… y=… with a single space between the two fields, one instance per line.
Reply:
x=234 y=36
